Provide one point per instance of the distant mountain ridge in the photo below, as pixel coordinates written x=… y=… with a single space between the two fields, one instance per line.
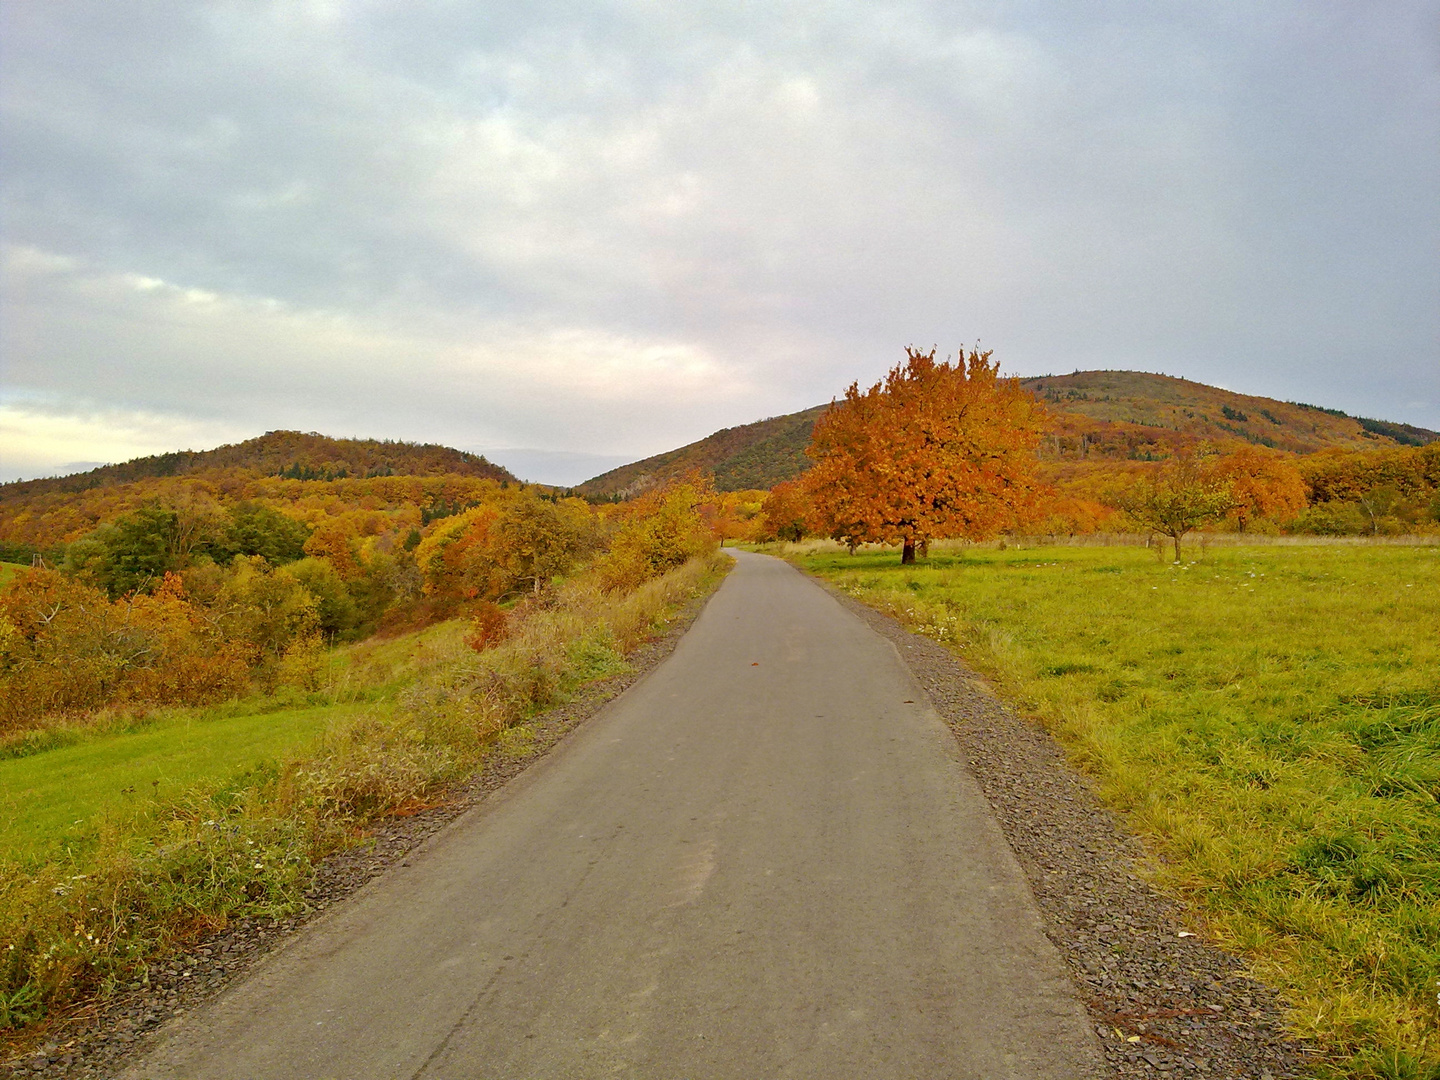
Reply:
x=1114 y=415
x=291 y=454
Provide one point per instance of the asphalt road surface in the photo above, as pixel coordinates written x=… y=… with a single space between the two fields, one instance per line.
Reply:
x=764 y=860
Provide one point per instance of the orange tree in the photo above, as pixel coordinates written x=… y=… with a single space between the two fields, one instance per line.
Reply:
x=1263 y=484
x=788 y=512
x=934 y=450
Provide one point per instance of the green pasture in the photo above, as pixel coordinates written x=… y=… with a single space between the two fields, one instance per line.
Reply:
x=8 y=570
x=58 y=784
x=58 y=797
x=1267 y=718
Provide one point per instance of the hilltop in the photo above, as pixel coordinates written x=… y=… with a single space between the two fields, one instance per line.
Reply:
x=305 y=473
x=291 y=454
x=1115 y=406
x=1101 y=416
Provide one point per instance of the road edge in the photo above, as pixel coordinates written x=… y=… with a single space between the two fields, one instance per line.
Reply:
x=1160 y=997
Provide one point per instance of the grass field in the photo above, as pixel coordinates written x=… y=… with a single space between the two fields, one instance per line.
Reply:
x=1267 y=719
x=8 y=570
x=58 y=798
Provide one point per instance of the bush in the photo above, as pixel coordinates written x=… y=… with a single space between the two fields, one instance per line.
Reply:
x=1331 y=519
x=487 y=626
x=664 y=531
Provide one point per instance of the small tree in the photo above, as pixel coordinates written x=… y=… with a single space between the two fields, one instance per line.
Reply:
x=1178 y=496
x=788 y=512
x=935 y=450
x=533 y=541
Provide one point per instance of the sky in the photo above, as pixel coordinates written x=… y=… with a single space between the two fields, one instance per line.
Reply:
x=569 y=235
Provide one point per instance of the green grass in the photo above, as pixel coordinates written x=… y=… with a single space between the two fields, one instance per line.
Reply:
x=1267 y=719
x=57 y=798
x=8 y=570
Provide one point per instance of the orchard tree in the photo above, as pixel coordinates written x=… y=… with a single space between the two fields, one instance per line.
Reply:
x=1179 y=495
x=937 y=449
x=534 y=541
x=788 y=511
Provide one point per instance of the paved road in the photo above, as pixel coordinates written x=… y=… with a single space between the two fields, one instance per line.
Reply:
x=764 y=860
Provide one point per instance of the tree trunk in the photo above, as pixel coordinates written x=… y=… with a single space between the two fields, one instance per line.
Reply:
x=1176 y=537
x=907 y=553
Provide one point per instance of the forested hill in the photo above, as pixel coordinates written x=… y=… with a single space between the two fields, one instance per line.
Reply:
x=1096 y=400
x=757 y=455
x=1101 y=415
x=290 y=454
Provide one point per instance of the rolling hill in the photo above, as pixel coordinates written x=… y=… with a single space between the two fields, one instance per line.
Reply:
x=758 y=455
x=291 y=454
x=1100 y=416
x=305 y=472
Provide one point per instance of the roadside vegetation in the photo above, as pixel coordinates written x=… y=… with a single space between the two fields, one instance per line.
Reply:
x=215 y=667
x=1267 y=718
x=179 y=748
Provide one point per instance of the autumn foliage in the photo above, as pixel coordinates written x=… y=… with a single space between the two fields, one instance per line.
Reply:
x=65 y=645
x=789 y=512
x=936 y=449
x=211 y=592
x=1261 y=484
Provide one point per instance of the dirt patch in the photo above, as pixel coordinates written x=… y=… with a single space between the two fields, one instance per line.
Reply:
x=1162 y=1000
x=100 y=1039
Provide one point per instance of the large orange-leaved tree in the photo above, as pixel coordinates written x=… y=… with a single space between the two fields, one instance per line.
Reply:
x=936 y=449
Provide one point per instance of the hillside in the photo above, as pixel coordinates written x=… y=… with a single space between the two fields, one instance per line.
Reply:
x=1100 y=416
x=1117 y=406
x=307 y=474
x=291 y=454
x=758 y=455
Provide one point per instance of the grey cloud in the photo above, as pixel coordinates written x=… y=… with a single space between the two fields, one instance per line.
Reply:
x=1241 y=194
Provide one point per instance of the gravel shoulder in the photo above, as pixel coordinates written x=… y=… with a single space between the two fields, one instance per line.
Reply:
x=100 y=1039
x=1163 y=1004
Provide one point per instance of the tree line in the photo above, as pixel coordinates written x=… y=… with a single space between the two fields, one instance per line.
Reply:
x=190 y=601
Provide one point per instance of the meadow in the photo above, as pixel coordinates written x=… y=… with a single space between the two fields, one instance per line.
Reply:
x=1266 y=718
x=57 y=799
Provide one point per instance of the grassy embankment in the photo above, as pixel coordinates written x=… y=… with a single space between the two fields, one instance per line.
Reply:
x=123 y=836
x=1267 y=719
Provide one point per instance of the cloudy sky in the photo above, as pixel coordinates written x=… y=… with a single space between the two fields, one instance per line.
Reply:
x=571 y=234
